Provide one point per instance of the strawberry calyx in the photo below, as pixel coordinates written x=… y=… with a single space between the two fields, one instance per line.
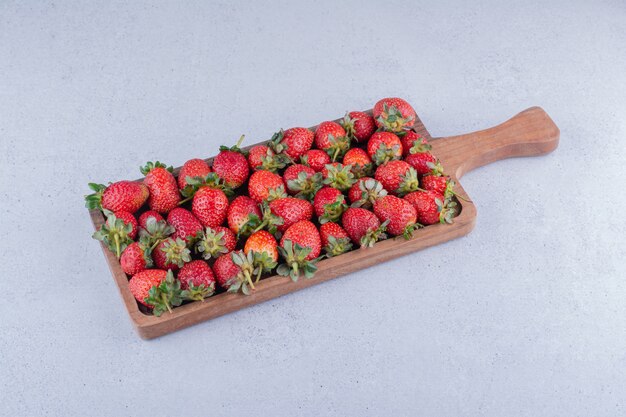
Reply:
x=198 y=292
x=339 y=176
x=435 y=168
x=338 y=146
x=409 y=183
x=166 y=295
x=243 y=280
x=374 y=235
x=385 y=154
x=114 y=233
x=391 y=119
x=273 y=162
x=211 y=244
x=235 y=148
x=420 y=146
x=296 y=263
x=334 y=210
x=145 y=170
x=94 y=201
x=410 y=229
x=305 y=185
x=371 y=190
x=348 y=125
x=278 y=146
x=249 y=226
x=336 y=246
x=155 y=232
x=447 y=210
x=211 y=180
x=270 y=220
x=263 y=263
x=361 y=171
x=276 y=193
x=176 y=252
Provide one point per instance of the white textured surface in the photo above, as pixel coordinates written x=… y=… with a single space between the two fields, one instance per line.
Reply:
x=526 y=316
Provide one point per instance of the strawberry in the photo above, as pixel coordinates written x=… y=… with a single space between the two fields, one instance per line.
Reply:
x=423 y=162
x=153 y=230
x=141 y=283
x=185 y=224
x=119 y=196
x=335 y=240
x=265 y=185
x=243 y=215
x=399 y=214
x=292 y=142
x=233 y=272
x=164 y=194
x=192 y=168
x=359 y=126
x=129 y=219
x=135 y=258
x=360 y=161
x=428 y=206
x=338 y=176
x=171 y=254
x=302 y=181
x=397 y=177
x=384 y=147
x=413 y=140
x=115 y=233
x=331 y=138
x=363 y=227
x=263 y=157
x=365 y=192
x=231 y=165
x=329 y=204
x=143 y=219
x=196 y=280
x=290 y=210
x=316 y=159
x=216 y=241
x=264 y=251
x=210 y=206
x=300 y=246
x=432 y=182
x=394 y=114
x=156 y=289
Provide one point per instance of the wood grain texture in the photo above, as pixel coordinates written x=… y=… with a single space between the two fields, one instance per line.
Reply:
x=529 y=133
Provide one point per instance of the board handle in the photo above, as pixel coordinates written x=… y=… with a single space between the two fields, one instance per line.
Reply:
x=529 y=133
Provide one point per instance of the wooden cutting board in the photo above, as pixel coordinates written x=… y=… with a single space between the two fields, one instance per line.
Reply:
x=529 y=133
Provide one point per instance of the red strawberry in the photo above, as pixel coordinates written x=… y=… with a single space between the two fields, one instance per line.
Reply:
x=363 y=227
x=185 y=224
x=335 y=240
x=210 y=206
x=264 y=251
x=331 y=137
x=359 y=125
x=157 y=289
x=192 y=168
x=141 y=283
x=116 y=234
x=423 y=162
x=394 y=114
x=171 y=254
x=129 y=219
x=197 y=279
x=413 y=140
x=263 y=157
x=329 y=204
x=243 y=215
x=435 y=183
x=300 y=246
x=427 y=204
x=135 y=259
x=365 y=192
x=265 y=185
x=120 y=196
x=400 y=215
x=338 y=176
x=233 y=272
x=397 y=177
x=293 y=142
x=384 y=147
x=216 y=241
x=164 y=194
x=316 y=159
x=302 y=181
x=143 y=219
x=290 y=210
x=360 y=161
x=231 y=165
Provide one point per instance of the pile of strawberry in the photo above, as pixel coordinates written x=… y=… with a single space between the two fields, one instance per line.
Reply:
x=310 y=195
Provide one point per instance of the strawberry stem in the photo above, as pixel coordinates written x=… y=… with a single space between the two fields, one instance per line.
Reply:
x=335 y=154
x=240 y=141
x=181 y=202
x=117 y=245
x=167 y=303
x=249 y=279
